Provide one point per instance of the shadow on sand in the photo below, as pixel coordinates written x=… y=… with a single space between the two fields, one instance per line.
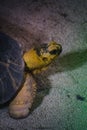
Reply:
x=67 y=62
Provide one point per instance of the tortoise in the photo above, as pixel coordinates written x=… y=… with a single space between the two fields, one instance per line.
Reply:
x=17 y=70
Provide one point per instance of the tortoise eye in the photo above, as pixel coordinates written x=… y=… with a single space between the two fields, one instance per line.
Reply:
x=54 y=52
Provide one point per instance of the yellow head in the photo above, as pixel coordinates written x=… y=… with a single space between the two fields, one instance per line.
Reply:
x=40 y=57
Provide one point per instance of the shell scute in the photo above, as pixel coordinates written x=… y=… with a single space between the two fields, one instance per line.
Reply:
x=11 y=67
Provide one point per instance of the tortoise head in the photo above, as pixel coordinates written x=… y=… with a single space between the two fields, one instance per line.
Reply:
x=42 y=56
x=49 y=52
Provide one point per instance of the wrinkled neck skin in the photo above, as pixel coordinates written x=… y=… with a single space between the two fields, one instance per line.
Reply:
x=33 y=61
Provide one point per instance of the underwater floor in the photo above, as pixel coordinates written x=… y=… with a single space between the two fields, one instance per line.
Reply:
x=61 y=102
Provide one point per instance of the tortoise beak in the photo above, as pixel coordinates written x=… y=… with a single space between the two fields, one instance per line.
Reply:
x=59 y=50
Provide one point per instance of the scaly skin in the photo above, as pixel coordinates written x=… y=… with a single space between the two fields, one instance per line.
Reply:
x=19 y=107
x=36 y=59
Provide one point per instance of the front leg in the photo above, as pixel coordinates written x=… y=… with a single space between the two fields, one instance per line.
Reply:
x=19 y=107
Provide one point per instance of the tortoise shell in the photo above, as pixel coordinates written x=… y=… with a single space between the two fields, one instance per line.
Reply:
x=11 y=67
